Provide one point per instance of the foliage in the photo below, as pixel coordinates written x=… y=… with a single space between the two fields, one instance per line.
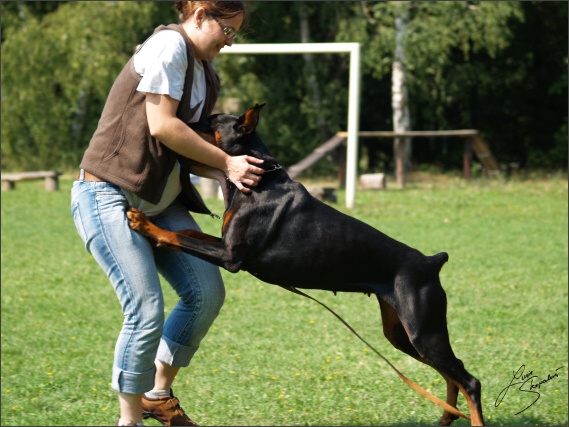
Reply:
x=469 y=65
x=500 y=67
x=274 y=358
x=53 y=90
x=291 y=122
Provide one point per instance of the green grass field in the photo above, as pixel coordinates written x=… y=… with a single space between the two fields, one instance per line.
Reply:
x=275 y=358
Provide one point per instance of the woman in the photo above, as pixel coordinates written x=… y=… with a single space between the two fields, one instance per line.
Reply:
x=132 y=160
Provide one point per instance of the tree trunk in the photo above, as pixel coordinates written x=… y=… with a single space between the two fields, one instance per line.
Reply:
x=399 y=100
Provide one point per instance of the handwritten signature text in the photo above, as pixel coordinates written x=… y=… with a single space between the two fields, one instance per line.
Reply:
x=528 y=383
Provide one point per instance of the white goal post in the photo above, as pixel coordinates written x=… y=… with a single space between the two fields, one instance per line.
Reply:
x=353 y=94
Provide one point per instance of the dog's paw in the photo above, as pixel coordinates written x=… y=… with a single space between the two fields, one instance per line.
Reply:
x=137 y=220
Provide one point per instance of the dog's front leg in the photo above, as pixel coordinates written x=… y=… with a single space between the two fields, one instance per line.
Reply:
x=139 y=222
x=194 y=242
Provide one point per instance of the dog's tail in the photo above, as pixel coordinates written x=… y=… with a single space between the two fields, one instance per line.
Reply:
x=437 y=261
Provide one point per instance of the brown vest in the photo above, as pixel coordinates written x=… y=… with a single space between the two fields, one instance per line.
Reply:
x=123 y=152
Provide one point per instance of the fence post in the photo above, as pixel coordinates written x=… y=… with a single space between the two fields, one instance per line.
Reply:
x=400 y=153
x=467 y=158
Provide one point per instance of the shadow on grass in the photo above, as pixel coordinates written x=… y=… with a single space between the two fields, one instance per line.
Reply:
x=490 y=421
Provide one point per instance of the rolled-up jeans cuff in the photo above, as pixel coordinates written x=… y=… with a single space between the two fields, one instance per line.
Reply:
x=133 y=382
x=174 y=354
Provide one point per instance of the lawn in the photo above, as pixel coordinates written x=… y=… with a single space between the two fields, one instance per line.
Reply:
x=275 y=358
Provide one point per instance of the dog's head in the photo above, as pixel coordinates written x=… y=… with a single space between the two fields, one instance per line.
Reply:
x=235 y=134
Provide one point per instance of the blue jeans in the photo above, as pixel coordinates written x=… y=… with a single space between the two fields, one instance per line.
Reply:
x=133 y=266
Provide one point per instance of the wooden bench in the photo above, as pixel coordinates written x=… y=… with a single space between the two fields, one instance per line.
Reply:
x=51 y=179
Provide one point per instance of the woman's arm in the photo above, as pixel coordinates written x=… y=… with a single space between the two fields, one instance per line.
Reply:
x=176 y=135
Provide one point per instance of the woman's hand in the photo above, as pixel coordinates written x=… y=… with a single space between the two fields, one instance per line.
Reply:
x=242 y=170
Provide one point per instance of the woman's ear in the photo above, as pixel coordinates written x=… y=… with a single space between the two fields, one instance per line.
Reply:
x=199 y=14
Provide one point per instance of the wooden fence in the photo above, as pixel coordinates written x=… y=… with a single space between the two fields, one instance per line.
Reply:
x=473 y=144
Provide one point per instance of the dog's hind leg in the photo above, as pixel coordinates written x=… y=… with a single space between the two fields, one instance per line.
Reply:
x=445 y=362
x=469 y=386
x=422 y=313
x=452 y=397
x=394 y=331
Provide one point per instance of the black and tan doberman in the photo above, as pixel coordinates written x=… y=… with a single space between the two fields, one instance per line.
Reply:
x=282 y=235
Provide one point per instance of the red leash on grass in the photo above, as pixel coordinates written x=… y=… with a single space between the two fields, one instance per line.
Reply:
x=410 y=383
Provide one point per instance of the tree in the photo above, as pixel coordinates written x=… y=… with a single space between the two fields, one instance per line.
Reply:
x=399 y=96
x=500 y=67
x=442 y=45
x=57 y=70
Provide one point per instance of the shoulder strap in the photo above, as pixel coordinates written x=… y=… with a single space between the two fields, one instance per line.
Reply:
x=212 y=80
x=183 y=112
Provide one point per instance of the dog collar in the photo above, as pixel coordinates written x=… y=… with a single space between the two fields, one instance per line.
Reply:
x=274 y=167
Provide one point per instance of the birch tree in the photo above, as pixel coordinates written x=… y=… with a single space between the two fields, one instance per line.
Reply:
x=421 y=46
x=402 y=147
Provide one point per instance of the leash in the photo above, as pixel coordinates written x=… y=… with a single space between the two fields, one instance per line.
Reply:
x=410 y=383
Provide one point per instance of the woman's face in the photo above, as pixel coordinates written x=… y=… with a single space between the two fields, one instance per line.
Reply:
x=209 y=38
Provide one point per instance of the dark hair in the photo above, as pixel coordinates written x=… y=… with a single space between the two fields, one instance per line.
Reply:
x=219 y=9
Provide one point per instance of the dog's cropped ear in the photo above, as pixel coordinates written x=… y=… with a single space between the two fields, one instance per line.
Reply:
x=248 y=121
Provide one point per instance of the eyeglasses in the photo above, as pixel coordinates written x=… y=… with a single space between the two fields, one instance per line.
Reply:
x=229 y=32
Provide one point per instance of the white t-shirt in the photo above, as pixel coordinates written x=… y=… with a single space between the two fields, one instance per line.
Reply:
x=162 y=62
